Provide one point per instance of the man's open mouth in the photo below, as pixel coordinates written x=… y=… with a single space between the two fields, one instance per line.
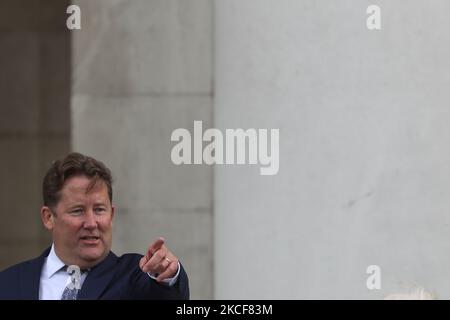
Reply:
x=90 y=238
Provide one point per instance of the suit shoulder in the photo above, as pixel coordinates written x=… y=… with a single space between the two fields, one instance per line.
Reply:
x=129 y=259
x=10 y=277
x=25 y=265
x=14 y=269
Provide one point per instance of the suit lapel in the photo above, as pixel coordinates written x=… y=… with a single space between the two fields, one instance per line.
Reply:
x=30 y=277
x=98 y=278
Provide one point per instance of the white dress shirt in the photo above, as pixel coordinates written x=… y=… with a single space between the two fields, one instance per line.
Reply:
x=54 y=277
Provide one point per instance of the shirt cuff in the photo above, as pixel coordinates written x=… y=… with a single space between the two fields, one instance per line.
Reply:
x=169 y=281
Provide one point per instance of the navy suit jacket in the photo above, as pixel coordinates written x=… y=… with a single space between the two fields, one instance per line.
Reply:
x=113 y=278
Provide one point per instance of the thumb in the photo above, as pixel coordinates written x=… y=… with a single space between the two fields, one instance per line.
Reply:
x=143 y=261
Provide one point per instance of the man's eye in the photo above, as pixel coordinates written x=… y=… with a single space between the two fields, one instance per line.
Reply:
x=100 y=210
x=76 y=212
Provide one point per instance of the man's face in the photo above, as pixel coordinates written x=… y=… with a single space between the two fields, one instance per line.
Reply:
x=82 y=222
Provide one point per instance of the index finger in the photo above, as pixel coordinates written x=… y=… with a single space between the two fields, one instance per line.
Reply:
x=155 y=246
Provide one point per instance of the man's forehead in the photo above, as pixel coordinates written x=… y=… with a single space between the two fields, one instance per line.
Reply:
x=84 y=185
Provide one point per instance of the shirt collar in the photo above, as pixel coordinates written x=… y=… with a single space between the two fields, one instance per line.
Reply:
x=53 y=263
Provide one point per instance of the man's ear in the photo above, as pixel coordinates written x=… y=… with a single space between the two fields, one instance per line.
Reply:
x=113 y=209
x=47 y=218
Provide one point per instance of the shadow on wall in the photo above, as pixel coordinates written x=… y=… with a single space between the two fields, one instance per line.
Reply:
x=35 y=64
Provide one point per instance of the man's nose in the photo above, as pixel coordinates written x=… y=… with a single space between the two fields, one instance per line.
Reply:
x=90 y=222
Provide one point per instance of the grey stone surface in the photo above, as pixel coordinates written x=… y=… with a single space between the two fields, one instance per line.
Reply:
x=34 y=117
x=364 y=169
x=33 y=15
x=158 y=46
x=51 y=148
x=20 y=189
x=141 y=70
x=54 y=83
x=19 y=65
x=133 y=136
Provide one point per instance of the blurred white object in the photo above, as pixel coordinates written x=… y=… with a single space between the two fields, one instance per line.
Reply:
x=416 y=294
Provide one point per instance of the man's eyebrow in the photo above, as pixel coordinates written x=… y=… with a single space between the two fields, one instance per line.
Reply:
x=99 y=203
x=75 y=205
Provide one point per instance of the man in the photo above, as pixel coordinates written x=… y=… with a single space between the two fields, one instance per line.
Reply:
x=78 y=211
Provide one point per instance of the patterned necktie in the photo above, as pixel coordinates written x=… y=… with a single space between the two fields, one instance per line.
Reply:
x=70 y=291
x=69 y=294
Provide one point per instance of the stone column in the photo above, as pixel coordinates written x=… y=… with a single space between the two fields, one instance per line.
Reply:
x=364 y=173
x=34 y=117
x=142 y=68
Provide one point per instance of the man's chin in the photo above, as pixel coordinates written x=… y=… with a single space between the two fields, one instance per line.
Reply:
x=93 y=255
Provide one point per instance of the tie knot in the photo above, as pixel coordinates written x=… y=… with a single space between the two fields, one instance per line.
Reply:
x=74 y=269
